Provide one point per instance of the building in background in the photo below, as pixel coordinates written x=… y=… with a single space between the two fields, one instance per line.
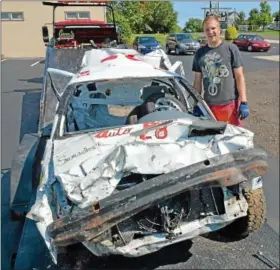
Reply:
x=22 y=21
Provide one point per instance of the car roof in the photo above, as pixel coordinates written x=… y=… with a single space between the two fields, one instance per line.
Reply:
x=146 y=37
x=100 y=65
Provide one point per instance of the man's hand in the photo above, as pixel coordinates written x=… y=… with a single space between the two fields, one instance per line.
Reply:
x=243 y=110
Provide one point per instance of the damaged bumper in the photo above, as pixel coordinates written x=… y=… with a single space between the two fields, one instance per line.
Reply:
x=225 y=170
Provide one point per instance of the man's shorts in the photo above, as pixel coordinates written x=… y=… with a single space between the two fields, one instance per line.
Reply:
x=227 y=112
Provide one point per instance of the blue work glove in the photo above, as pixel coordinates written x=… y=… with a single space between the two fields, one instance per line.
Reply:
x=243 y=110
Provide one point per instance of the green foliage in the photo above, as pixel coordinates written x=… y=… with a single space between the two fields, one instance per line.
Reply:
x=193 y=24
x=144 y=17
x=253 y=16
x=231 y=33
x=178 y=29
x=262 y=17
x=265 y=16
x=276 y=16
x=242 y=19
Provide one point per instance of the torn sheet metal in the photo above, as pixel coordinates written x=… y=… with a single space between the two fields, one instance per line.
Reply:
x=91 y=165
x=225 y=170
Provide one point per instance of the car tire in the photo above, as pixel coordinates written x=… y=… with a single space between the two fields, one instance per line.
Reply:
x=167 y=49
x=249 y=48
x=177 y=52
x=254 y=220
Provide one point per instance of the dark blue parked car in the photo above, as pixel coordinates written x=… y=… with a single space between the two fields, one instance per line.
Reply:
x=145 y=44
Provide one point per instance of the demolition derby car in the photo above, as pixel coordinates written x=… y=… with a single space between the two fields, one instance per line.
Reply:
x=136 y=161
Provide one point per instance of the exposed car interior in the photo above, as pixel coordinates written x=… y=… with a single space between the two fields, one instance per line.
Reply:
x=124 y=102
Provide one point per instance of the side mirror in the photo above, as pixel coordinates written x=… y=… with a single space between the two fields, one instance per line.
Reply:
x=45 y=33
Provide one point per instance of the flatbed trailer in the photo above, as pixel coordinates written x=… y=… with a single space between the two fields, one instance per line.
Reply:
x=209 y=252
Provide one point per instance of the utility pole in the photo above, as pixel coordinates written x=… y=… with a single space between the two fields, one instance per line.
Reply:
x=210 y=6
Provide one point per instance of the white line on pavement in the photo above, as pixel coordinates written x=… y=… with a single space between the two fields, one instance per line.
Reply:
x=2 y=60
x=268 y=57
x=34 y=64
x=274 y=41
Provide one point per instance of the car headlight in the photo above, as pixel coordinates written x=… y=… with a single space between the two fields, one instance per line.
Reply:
x=142 y=47
x=254 y=44
x=158 y=47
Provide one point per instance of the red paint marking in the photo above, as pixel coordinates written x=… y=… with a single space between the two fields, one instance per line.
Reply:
x=160 y=133
x=128 y=56
x=84 y=73
x=132 y=57
x=111 y=57
x=112 y=133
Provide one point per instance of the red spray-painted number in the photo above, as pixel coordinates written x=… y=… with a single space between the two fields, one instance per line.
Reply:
x=160 y=133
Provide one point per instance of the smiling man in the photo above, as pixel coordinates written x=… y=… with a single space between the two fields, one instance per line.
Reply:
x=218 y=68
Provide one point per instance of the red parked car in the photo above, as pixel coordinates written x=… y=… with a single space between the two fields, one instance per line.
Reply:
x=251 y=43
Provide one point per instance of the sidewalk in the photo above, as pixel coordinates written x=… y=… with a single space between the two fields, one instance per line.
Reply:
x=272 y=41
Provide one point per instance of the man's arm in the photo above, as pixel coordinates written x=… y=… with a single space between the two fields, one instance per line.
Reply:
x=237 y=64
x=240 y=83
x=197 y=84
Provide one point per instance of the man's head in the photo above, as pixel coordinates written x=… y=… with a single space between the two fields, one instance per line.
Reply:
x=212 y=30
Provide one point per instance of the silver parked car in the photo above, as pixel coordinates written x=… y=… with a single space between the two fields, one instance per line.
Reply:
x=181 y=43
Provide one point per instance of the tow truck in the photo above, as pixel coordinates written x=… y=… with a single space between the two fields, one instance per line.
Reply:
x=81 y=33
x=258 y=251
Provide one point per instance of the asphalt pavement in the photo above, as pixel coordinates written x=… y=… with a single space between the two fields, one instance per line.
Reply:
x=20 y=96
x=21 y=89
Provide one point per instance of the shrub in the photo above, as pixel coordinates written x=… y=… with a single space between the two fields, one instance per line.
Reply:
x=231 y=33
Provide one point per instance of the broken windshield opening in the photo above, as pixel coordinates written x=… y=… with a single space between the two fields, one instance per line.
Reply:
x=110 y=104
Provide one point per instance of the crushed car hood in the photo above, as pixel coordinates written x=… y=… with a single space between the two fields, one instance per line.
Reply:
x=91 y=165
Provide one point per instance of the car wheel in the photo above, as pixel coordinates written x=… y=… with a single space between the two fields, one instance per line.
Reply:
x=167 y=49
x=249 y=48
x=177 y=51
x=254 y=220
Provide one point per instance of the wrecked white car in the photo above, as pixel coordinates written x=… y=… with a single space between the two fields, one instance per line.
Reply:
x=136 y=161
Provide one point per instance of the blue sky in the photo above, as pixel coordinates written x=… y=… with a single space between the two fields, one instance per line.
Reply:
x=189 y=9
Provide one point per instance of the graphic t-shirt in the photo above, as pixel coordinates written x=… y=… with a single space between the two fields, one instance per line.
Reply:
x=216 y=66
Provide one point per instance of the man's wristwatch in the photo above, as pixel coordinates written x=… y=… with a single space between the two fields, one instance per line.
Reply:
x=244 y=102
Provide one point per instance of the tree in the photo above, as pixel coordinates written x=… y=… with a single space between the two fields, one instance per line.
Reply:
x=253 y=16
x=276 y=16
x=265 y=18
x=160 y=16
x=144 y=17
x=262 y=17
x=193 y=24
x=241 y=18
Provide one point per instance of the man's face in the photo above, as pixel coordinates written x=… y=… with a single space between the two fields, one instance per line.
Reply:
x=212 y=31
